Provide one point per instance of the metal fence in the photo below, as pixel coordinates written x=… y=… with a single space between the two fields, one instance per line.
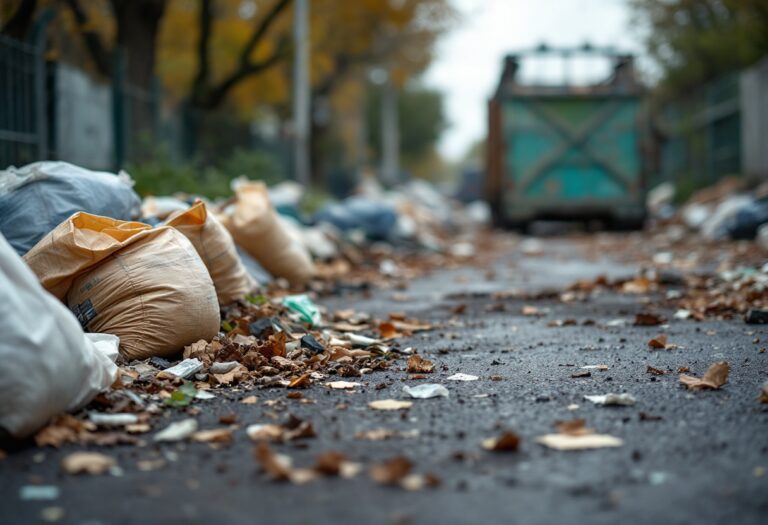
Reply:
x=23 y=131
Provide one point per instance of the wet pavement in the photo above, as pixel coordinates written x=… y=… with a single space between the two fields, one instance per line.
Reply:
x=688 y=457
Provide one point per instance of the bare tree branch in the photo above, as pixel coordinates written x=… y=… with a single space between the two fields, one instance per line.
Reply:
x=21 y=20
x=203 y=46
x=92 y=39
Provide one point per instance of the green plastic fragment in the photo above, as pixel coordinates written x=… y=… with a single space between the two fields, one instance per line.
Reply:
x=304 y=306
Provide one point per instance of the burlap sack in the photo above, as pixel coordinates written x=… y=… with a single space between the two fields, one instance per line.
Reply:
x=146 y=285
x=255 y=227
x=216 y=248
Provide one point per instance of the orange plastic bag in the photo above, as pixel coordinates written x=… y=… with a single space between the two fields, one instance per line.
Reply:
x=255 y=227
x=216 y=248
x=146 y=285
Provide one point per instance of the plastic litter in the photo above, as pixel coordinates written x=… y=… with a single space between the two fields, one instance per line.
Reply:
x=462 y=377
x=223 y=368
x=39 y=492
x=376 y=219
x=612 y=399
x=303 y=305
x=87 y=261
x=47 y=364
x=112 y=420
x=177 y=431
x=426 y=391
x=35 y=198
x=216 y=248
x=187 y=368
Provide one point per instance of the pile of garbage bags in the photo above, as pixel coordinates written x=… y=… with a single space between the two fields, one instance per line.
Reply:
x=91 y=272
x=725 y=210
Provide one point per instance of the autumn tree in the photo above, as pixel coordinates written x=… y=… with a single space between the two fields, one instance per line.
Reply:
x=694 y=41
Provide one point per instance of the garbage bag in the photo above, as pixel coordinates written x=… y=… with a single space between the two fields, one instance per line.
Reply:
x=254 y=224
x=47 y=364
x=744 y=223
x=216 y=248
x=715 y=227
x=146 y=285
x=374 y=218
x=36 y=198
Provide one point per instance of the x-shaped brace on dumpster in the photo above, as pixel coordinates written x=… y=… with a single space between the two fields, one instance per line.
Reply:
x=575 y=139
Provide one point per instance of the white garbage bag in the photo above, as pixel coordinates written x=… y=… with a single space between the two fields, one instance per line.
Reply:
x=47 y=364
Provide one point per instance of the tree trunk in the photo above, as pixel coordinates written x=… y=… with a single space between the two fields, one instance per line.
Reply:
x=138 y=24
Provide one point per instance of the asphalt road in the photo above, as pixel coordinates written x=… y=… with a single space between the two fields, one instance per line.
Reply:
x=704 y=461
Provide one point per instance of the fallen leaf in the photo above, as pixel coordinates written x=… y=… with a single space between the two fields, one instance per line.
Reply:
x=419 y=365
x=177 y=431
x=87 y=463
x=715 y=377
x=416 y=482
x=302 y=381
x=388 y=330
x=506 y=442
x=268 y=432
x=390 y=404
x=658 y=342
x=380 y=434
x=581 y=373
x=333 y=463
x=250 y=400
x=531 y=311
x=391 y=471
x=218 y=435
x=763 y=398
x=63 y=429
x=648 y=319
x=573 y=427
x=655 y=371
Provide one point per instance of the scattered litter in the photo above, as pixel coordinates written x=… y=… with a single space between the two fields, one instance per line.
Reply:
x=715 y=377
x=177 y=431
x=390 y=404
x=426 y=391
x=303 y=305
x=217 y=435
x=756 y=316
x=39 y=492
x=602 y=368
x=462 y=377
x=342 y=385
x=574 y=435
x=612 y=399
x=185 y=369
x=221 y=368
x=112 y=420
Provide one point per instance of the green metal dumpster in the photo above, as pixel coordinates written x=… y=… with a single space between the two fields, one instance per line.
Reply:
x=566 y=152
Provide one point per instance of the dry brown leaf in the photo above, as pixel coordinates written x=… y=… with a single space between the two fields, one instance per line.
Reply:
x=302 y=381
x=63 y=429
x=529 y=310
x=638 y=285
x=218 y=435
x=333 y=463
x=655 y=371
x=277 y=466
x=658 y=342
x=391 y=471
x=648 y=319
x=763 y=397
x=715 y=377
x=267 y=432
x=390 y=404
x=419 y=365
x=250 y=400
x=87 y=463
x=506 y=442
x=573 y=427
x=388 y=330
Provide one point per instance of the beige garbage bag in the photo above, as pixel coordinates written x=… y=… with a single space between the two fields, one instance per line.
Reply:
x=146 y=285
x=216 y=248
x=255 y=227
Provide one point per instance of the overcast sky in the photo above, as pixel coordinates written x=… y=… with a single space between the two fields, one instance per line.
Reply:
x=469 y=58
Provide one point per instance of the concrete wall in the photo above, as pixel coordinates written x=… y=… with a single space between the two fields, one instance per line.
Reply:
x=83 y=119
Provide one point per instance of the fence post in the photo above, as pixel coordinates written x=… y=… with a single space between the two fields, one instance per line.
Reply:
x=118 y=110
x=37 y=39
